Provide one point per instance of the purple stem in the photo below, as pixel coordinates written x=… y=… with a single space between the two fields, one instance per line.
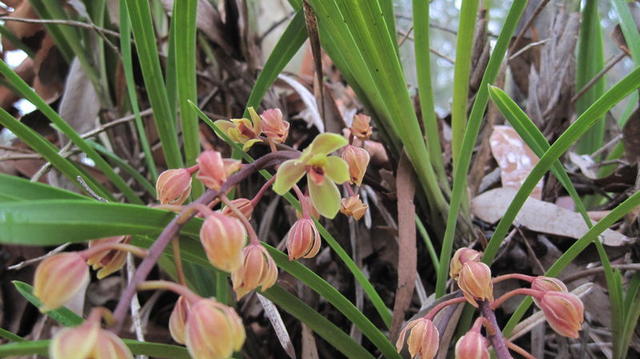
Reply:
x=172 y=229
x=495 y=334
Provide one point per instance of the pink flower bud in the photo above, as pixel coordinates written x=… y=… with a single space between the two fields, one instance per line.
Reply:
x=273 y=126
x=223 y=238
x=303 y=240
x=358 y=159
x=424 y=338
x=108 y=261
x=211 y=173
x=243 y=204
x=544 y=284
x=258 y=270
x=178 y=320
x=74 y=343
x=110 y=346
x=213 y=330
x=173 y=186
x=475 y=282
x=472 y=346
x=58 y=278
x=563 y=311
x=361 y=127
x=460 y=257
x=353 y=207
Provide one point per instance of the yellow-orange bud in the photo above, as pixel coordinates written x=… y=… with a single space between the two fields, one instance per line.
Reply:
x=460 y=257
x=361 y=127
x=273 y=126
x=243 y=204
x=58 y=278
x=258 y=270
x=358 y=159
x=472 y=346
x=303 y=240
x=173 y=186
x=563 y=311
x=223 y=238
x=353 y=207
x=213 y=330
x=110 y=260
x=424 y=338
x=178 y=320
x=475 y=282
x=544 y=284
x=75 y=343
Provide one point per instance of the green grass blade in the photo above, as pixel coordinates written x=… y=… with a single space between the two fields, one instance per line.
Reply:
x=629 y=28
x=470 y=136
x=14 y=188
x=41 y=347
x=127 y=64
x=462 y=70
x=29 y=94
x=590 y=62
x=572 y=253
x=63 y=315
x=125 y=167
x=316 y=322
x=425 y=90
x=49 y=153
x=145 y=39
x=618 y=92
x=10 y=336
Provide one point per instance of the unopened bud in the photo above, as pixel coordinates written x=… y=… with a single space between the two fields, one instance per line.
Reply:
x=475 y=282
x=472 y=346
x=244 y=205
x=424 y=338
x=361 y=127
x=173 y=186
x=258 y=270
x=303 y=240
x=273 y=126
x=544 y=284
x=460 y=257
x=58 y=278
x=110 y=260
x=358 y=159
x=214 y=170
x=563 y=311
x=110 y=346
x=178 y=320
x=76 y=342
x=223 y=238
x=213 y=331
x=353 y=207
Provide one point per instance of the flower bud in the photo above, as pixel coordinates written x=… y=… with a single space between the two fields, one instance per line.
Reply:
x=563 y=311
x=223 y=238
x=424 y=338
x=173 y=186
x=358 y=159
x=74 y=343
x=58 y=278
x=544 y=284
x=273 y=126
x=108 y=261
x=353 y=207
x=110 y=346
x=258 y=270
x=243 y=204
x=213 y=330
x=475 y=282
x=303 y=240
x=361 y=127
x=460 y=257
x=472 y=346
x=178 y=320
x=214 y=170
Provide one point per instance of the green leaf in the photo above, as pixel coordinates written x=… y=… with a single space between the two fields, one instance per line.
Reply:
x=41 y=347
x=10 y=336
x=13 y=188
x=64 y=316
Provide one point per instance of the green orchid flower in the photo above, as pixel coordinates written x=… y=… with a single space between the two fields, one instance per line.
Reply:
x=323 y=171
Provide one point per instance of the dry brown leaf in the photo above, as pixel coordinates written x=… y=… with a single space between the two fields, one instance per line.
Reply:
x=631 y=137
x=539 y=216
x=274 y=317
x=585 y=163
x=22 y=30
x=79 y=105
x=407 y=259
x=515 y=158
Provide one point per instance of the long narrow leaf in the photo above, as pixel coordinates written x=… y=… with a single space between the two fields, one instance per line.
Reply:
x=41 y=347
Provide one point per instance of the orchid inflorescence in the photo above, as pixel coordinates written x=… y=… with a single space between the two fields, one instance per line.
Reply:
x=207 y=327
x=562 y=309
